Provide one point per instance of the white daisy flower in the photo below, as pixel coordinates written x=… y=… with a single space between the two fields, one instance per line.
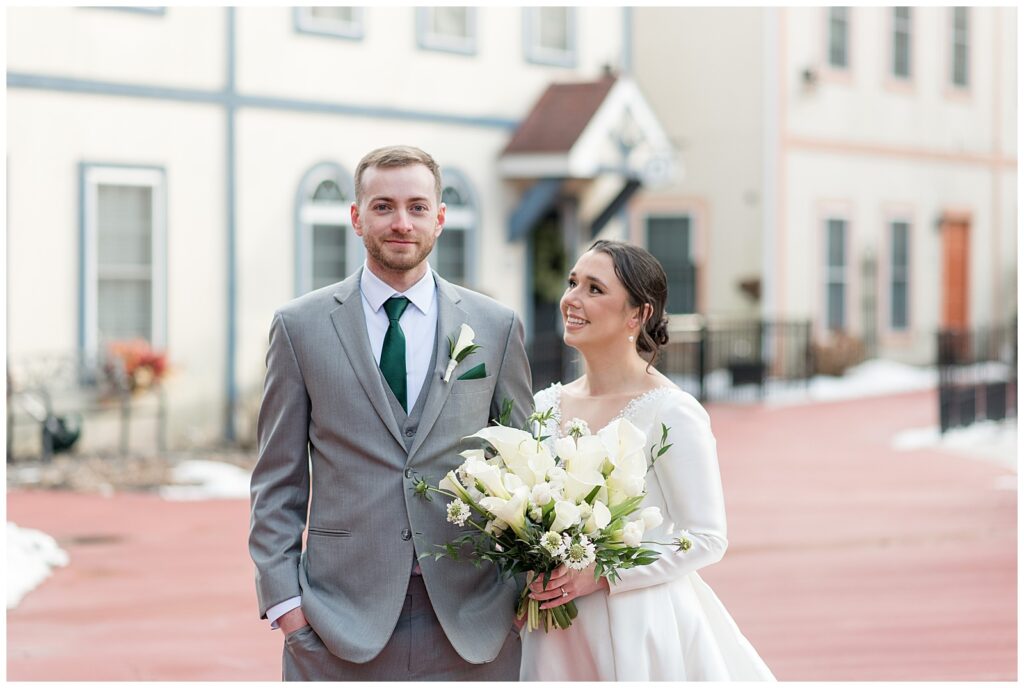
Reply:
x=552 y=542
x=458 y=512
x=579 y=554
x=577 y=427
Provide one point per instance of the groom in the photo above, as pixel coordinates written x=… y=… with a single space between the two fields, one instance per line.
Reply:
x=355 y=409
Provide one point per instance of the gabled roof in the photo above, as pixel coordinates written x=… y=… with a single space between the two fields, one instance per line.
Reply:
x=587 y=130
x=558 y=119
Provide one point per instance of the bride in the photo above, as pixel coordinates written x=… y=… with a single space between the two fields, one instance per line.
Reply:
x=660 y=621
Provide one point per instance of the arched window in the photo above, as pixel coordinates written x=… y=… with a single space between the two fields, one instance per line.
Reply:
x=326 y=250
x=454 y=253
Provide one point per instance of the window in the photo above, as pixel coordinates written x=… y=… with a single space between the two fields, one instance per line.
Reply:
x=838 y=36
x=123 y=256
x=961 y=54
x=343 y=22
x=901 y=42
x=326 y=251
x=835 y=274
x=898 y=275
x=670 y=240
x=549 y=34
x=453 y=254
x=451 y=29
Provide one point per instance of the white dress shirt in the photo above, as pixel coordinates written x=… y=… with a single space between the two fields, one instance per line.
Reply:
x=419 y=325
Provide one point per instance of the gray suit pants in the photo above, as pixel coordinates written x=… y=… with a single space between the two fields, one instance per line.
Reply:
x=417 y=651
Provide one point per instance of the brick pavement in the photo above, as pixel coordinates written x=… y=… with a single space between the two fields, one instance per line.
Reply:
x=847 y=561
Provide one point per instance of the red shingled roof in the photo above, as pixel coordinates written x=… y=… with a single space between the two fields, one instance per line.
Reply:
x=559 y=117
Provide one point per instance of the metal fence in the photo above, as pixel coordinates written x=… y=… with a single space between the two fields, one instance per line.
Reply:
x=730 y=360
x=977 y=375
x=54 y=399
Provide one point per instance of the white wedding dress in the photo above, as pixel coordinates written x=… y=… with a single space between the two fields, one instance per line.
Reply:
x=659 y=622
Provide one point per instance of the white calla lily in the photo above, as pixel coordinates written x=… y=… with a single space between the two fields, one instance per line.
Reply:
x=515 y=447
x=512 y=511
x=599 y=519
x=622 y=438
x=450 y=482
x=489 y=476
x=463 y=342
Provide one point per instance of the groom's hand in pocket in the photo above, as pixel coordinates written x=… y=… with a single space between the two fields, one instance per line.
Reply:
x=292 y=620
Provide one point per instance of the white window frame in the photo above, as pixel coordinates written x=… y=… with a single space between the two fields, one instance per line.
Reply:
x=305 y=22
x=153 y=178
x=837 y=275
x=308 y=214
x=539 y=54
x=427 y=40
x=464 y=219
x=893 y=275
x=967 y=48
x=905 y=26
x=846 y=39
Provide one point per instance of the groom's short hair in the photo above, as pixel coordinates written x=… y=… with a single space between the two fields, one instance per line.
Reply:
x=397 y=156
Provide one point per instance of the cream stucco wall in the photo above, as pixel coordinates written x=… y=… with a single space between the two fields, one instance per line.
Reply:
x=184 y=47
x=386 y=68
x=43 y=158
x=699 y=68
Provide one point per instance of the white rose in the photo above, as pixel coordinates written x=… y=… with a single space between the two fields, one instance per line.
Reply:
x=541 y=494
x=652 y=517
x=633 y=533
x=567 y=515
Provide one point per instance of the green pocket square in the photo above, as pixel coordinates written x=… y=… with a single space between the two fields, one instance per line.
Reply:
x=474 y=373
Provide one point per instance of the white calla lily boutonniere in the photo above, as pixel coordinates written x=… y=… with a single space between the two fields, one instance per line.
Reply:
x=459 y=348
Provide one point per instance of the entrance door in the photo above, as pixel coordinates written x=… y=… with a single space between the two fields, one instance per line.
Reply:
x=955 y=277
x=547 y=352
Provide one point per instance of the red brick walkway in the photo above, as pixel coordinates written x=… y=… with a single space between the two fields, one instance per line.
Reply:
x=848 y=561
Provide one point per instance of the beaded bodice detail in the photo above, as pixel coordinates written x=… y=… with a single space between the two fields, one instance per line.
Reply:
x=552 y=398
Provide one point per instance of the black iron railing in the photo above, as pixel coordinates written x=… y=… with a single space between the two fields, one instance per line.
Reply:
x=977 y=374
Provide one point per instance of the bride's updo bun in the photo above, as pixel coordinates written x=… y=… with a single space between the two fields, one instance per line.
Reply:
x=645 y=282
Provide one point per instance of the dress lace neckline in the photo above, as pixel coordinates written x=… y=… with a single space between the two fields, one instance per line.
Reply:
x=630 y=408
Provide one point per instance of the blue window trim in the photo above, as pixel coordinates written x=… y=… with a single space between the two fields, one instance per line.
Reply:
x=303 y=232
x=427 y=41
x=86 y=346
x=545 y=57
x=153 y=11
x=456 y=179
x=305 y=23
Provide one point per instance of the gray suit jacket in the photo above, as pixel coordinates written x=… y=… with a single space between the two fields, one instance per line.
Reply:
x=329 y=443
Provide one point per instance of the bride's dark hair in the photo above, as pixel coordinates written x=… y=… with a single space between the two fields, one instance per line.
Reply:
x=645 y=282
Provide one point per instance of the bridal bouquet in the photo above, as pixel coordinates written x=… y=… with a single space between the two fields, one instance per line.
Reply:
x=531 y=510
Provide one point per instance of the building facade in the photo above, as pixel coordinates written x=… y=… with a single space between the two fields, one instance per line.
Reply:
x=176 y=174
x=858 y=165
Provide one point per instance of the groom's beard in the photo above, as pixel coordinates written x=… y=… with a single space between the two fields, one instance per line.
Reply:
x=399 y=262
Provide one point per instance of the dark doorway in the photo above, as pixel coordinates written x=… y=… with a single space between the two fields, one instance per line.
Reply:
x=547 y=257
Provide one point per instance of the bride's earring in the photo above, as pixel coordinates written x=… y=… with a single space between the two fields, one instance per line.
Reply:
x=631 y=338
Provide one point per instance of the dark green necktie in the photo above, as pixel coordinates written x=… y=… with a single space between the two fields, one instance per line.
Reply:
x=392 y=355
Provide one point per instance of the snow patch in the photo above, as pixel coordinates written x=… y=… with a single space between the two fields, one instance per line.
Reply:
x=994 y=441
x=197 y=479
x=875 y=377
x=31 y=555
